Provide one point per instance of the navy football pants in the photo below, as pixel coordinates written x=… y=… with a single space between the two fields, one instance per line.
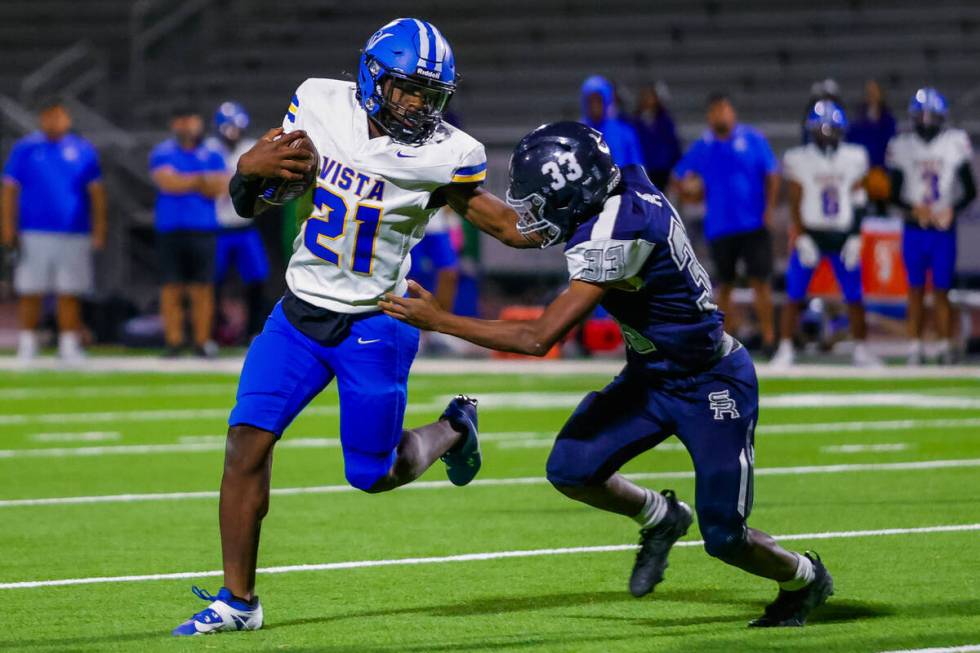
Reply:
x=713 y=413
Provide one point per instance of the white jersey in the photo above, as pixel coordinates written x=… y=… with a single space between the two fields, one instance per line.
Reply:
x=370 y=203
x=228 y=217
x=830 y=182
x=929 y=167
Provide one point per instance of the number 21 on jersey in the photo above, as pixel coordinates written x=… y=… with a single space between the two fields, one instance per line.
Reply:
x=330 y=223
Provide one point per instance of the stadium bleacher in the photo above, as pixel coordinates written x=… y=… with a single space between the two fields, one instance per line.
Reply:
x=521 y=63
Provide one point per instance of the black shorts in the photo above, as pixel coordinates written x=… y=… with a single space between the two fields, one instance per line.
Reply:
x=753 y=247
x=186 y=256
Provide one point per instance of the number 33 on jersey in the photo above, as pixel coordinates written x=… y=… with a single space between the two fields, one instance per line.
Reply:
x=371 y=201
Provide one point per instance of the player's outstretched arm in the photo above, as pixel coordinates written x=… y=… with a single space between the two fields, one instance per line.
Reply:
x=532 y=337
x=487 y=212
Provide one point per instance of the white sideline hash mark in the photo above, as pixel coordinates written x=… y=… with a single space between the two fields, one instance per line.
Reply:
x=84 y=436
x=490 y=482
x=862 y=448
x=469 y=557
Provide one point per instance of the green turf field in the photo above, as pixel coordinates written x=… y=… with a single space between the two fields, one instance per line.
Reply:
x=824 y=470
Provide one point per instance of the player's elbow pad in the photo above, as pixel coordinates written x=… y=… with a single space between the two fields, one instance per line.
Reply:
x=245 y=194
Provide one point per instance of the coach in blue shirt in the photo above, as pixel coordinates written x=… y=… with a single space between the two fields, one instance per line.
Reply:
x=189 y=176
x=733 y=168
x=53 y=215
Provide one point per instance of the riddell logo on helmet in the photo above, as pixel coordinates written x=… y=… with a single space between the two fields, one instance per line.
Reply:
x=427 y=73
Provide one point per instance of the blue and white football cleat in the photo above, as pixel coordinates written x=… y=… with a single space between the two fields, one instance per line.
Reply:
x=224 y=613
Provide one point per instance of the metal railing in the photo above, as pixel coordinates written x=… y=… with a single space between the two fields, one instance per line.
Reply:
x=80 y=70
x=150 y=22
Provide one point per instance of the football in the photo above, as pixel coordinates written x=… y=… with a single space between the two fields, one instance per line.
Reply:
x=277 y=191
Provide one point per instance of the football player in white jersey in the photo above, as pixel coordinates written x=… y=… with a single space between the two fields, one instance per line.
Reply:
x=826 y=199
x=932 y=181
x=239 y=241
x=386 y=163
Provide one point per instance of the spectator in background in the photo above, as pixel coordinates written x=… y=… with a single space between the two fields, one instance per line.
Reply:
x=599 y=112
x=733 y=168
x=659 y=145
x=873 y=127
x=54 y=214
x=189 y=176
x=435 y=265
x=239 y=241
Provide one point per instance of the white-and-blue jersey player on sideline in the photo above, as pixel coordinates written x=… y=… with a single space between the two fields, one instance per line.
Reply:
x=386 y=163
x=627 y=250
x=825 y=180
x=932 y=181
x=239 y=241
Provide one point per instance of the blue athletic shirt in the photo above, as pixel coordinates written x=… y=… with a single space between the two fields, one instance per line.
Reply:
x=660 y=295
x=188 y=211
x=53 y=177
x=734 y=173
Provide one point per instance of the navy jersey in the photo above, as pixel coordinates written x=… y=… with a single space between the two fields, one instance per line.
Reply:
x=660 y=294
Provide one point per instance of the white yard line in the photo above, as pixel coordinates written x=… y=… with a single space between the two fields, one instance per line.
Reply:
x=468 y=557
x=865 y=448
x=510 y=401
x=466 y=367
x=966 y=648
x=505 y=440
x=872 y=425
x=854 y=399
x=495 y=482
x=226 y=388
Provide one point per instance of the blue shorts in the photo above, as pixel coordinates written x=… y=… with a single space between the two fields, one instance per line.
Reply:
x=244 y=249
x=798 y=278
x=285 y=370
x=713 y=413
x=929 y=249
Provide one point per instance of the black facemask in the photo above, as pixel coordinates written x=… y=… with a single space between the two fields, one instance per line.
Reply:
x=412 y=124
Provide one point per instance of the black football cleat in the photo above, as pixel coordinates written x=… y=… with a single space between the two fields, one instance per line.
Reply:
x=463 y=460
x=790 y=609
x=655 y=544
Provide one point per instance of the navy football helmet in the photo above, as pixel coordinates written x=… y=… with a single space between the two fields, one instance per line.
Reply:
x=560 y=175
x=928 y=109
x=407 y=58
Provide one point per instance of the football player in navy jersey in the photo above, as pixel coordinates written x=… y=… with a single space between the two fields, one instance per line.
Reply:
x=627 y=250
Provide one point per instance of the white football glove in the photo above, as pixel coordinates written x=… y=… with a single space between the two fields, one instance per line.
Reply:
x=850 y=253
x=807 y=251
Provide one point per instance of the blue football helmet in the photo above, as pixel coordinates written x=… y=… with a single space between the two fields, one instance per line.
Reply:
x=928 y=109
x=412 y=57
x=826 y=123
x=560 y=176
x=231 y=119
